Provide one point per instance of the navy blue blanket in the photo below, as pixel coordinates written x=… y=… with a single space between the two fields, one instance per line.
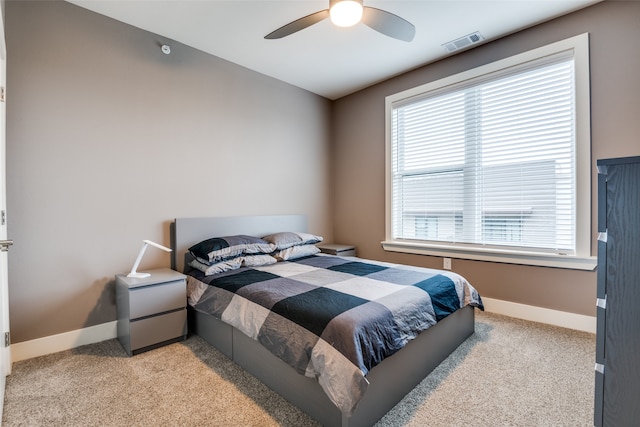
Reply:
x=329 y=317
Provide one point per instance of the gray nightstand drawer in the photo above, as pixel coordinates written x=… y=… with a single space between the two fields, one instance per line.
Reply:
x=149 y=300
x=153 y=330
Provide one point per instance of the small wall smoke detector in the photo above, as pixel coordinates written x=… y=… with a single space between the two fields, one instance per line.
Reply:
x=463 y=42
x=166 y=49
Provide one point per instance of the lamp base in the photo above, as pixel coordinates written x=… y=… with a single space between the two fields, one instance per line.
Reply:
x=139 y=275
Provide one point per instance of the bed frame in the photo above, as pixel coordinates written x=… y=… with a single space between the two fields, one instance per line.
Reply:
x=389 y=382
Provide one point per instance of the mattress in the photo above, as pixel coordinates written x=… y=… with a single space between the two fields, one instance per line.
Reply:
x=332 y=318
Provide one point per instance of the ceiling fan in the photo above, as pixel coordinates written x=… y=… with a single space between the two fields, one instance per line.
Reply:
x=346 y=13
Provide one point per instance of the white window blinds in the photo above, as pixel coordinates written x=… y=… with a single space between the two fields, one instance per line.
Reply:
x=489 y=161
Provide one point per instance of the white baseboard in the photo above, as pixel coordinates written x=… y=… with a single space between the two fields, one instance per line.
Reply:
x=564 y=319
x=106 y=331
x=65 y=341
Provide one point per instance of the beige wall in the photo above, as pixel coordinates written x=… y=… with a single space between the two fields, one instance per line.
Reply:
x=108 y=139
x=359 y=144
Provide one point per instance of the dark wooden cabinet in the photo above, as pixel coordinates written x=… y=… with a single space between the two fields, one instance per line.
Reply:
x=617 y=378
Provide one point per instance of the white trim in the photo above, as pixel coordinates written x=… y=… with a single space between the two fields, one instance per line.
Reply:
x=563 y=319
x=494 y=255
x=65 y=341
x=106 y=331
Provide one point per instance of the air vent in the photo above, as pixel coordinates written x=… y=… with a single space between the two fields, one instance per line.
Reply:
x=463 y=42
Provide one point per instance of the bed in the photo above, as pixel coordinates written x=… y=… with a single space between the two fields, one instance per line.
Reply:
x=386 y=381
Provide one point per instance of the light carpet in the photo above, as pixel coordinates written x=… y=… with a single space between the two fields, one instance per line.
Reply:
x=509 y=373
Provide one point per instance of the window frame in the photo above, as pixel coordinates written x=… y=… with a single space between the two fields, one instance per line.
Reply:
x=582 y=259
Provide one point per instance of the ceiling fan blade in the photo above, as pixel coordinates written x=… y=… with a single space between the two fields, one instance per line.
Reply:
x=298 y=24
x=388 y=24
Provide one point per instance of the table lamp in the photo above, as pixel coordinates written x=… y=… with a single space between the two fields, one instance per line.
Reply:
x=145 y=243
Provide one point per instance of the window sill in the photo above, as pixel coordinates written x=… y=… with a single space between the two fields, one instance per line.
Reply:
x=532 y=258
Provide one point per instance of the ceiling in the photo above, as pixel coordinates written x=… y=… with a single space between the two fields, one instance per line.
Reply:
x=324 y=59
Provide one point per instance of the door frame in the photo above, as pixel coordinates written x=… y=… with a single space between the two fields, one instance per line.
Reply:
x=5 y=349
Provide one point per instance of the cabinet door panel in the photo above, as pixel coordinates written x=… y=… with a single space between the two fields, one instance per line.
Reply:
x=597 y=417
x=600 y=332
x=601 y=274
x=602 y=205
x=622 y=341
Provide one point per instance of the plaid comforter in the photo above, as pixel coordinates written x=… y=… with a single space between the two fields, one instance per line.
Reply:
x=332 y=318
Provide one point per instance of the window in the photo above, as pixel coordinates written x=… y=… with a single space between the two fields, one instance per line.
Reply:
x=494 y=163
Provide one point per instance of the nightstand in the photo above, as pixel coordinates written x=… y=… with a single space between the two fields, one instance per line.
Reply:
x=152 y=311
x=337 y=249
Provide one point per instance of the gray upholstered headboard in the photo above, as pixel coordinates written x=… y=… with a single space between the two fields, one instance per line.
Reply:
x=185 y=232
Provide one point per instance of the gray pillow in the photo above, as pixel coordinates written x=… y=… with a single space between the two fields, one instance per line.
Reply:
x=295 y=252
x=218 y=267
x=287 y=239
x=220 y=248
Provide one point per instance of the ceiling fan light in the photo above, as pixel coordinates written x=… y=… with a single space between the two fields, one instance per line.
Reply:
x=346 y=13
